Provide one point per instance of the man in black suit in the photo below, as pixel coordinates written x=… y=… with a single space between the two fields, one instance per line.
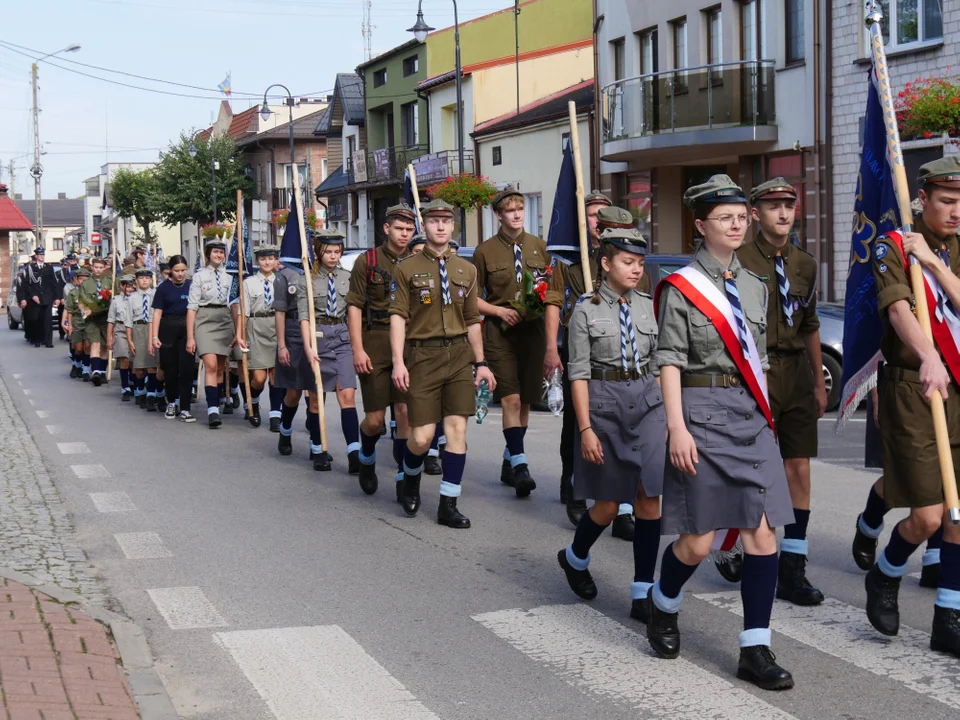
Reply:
x=39 y=291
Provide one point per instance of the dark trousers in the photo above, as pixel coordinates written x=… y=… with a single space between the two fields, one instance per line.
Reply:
x=38 y=323
x=568 y=428
x=175 y=361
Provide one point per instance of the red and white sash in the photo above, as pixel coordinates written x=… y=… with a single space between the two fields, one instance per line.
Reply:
x=946 y=332
x=707 y=298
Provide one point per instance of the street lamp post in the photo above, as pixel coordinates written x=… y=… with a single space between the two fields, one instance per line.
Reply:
x=192 y=150
x=37 y=169
x=266 y=112
x=420 y=31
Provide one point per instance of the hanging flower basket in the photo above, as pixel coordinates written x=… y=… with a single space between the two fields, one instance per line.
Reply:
x=218 y=230
x=464 y=191
x=279 y=219
x=929 y=107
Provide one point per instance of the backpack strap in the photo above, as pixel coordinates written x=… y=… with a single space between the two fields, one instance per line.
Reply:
x=371 y=255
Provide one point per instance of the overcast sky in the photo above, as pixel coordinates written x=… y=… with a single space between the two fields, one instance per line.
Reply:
x=300 y=43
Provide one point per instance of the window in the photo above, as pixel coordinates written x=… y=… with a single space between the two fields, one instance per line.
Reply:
x=680 y=51
x=714 y=42
x=497 y=155
x=301 y=174
x=410 y=124
x=564 y=141
x=619 y=59
x=906 y=22
x=411 y=66
x=531 y=215
x=96 y=221
x=752 y=43
x=323 y=169
x=793 y=27
x=58 y=243
x=647 y=42
x=379 y=77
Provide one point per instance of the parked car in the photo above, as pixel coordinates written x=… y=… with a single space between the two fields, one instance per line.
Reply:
x=14 y=313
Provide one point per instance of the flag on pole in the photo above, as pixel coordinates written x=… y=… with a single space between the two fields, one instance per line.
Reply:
x=408 y=197
x=198 y=265
x=290 y=250
x=150 y=262
x=875 y=213
x=563 y=238
x=225 y=86
x=233 y=258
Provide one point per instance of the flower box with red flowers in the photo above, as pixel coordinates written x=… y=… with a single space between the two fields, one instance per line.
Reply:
x=929 y=107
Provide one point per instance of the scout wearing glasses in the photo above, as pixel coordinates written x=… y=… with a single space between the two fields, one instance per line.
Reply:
x=515 y=354
x=331 y=283
x=117 y=339
x=619 y=441
x=137 y=323
x=436 y=346
x=261 y=341
x=725 y=469
x=914 y=370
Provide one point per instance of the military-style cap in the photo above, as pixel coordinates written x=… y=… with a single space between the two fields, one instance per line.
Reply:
x=437 y=207
x=945 y=171
x=138 y=248
x=71 y=256
x=718 y=189
x=453 y=245
x=265 y=250
x=39 y=251
x=418 y=239
x=328 y=236
x=630 y=240
x=82 y=272
x=508 y=192
x=774 y=189
x=401 y=211
x=126 y=278
x=596 y=198
x=143 y=272
x=212 y=245
x=614 y=217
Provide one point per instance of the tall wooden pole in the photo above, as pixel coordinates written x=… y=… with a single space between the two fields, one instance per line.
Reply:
x=873 y=16
x=113 y=294
x=242 y=315
x=581 y=211
x=416 y=193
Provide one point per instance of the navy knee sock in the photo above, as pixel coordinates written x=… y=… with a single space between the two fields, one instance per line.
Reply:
x=141 y=385
x=514 y=440
x=875 y=510
x=368 y=448
x=125 y=379
x=673 y=576
x=931 y=555
x=276 y=400
x=161 y=387
x=151 y=384
x=212 y=393
x=795 y=534
x=893 y=559
x=586 y=535
x=286 y=418
x=412 y=464
x=936 y=540
x=757 y=589
x=350 y=424
x=646 y=545
x=313 y=427
x=399 y=450
x=453 y=464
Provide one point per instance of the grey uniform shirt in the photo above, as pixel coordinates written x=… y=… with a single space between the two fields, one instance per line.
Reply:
x=594 y=333
x=254 y=294
x=286 y=281
x=688 y=339
x=204 y=289
x=341 y=280
x=135 y=305
x=119 y=310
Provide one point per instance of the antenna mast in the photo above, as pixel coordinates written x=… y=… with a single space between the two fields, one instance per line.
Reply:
x=367 y=30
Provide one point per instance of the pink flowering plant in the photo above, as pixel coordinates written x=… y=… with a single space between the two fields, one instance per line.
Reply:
x=929 y=107
x=464 y=191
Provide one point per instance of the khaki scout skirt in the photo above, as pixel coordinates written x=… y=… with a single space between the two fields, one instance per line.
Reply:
x=121 y=350
x=740 y=473
x=141 y=342
x=336 y=358
x=262 y=342
x=213 y=330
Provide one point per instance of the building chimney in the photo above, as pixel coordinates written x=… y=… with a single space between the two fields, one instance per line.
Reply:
x=61 y=196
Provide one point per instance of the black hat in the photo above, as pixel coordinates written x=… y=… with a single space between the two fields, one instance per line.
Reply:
x=418 y=239
x=39 y=251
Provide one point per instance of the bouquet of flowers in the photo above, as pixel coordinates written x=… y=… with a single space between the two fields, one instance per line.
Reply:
x=530 y=299
x=104 y=296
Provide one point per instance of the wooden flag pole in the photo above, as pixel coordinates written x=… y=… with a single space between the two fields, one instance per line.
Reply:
x=242 y=315
x=581 y=211
x=416 y=192
x=311 y=337
x=113 y=294
x=873 y=16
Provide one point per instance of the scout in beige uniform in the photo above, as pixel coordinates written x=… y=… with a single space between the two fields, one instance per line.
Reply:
x=94 y=306
x=515 y=354
x=368 y=321
x=436 y=346
x=117 y=339
x=209 y=325
x=137 y=323
x=261 y=341
x=914 y=370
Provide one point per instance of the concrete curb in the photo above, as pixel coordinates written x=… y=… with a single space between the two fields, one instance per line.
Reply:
x=148 y=691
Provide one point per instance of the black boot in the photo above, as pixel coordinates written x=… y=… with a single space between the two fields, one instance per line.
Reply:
x=74 y=372
x=254 y=417
x=151 y=404
x=731 y=566
x=227 y=407
x=141 y=401
x=85 y=376
x=639 y=610
x=575 y=510
x=275 y=424
x=758 y=665
x=285 y=444
x=522 y=482
x=580 y=581
x=506 y=473
x=431 y=465
x=566 y=488
x=930 y=576
x=368 y=478
x=945 y=636
x=213 y=420
x=623 y=527
x=792 y=583
x=126 y=396
x=449 y=515
x=235 y=400
x=399 y=484
x=411 y=494
x=864 y=549
x=883 y=608
x=353 y=462
x=322 y=462
x=97 y=379
x=662 y=630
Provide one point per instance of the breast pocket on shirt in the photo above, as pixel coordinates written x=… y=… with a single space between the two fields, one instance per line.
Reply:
x=459 y=288
x=646 y=333
x=756 y=321
x=799 y=296
x=421 y=291
x=605 y=343
x=377 y=288
x=702 y=332
x=501 y=280
x=536 y=266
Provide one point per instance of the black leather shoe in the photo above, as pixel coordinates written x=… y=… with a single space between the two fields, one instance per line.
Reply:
x=227 y=408
x=506 y=473
x=285 y=445
x=792 y=583
x=353 y=462
x=399 y=485
x=235 y=400
x=96 y=379
x=945 y=636
x=662 y=630
x=368 y=478
x=623 y=527
x=141 y=401
x=410 y=498
x=566 y=488
x=50 y=345
x=85 y=377
x=126 y=397
x=431 y=465
x=758 y=665
x=275 y=424
x=731 y=567
x=930 y=576
x=254 y=417
x=864 y=549
x=522 y=482
x=449 y=515
x=640 y=611
x=575 y=510
x=151 y=402
x=213 y=420
x=322 y=462
x=74 y=373
x=580 y=581
x=883 y=608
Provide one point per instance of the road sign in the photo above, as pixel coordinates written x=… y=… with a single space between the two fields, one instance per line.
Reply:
x=95 y=238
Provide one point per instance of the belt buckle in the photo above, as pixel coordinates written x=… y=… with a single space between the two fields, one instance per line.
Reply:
x=734 y=381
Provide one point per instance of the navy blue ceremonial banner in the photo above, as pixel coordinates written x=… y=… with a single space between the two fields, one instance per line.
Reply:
x=198 y=266
x=563 y=238
x=233 y=258
x=875 y=213
x=291 y=253
x=408 y=197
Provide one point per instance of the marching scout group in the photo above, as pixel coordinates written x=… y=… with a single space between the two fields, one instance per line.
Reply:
x=688 y=412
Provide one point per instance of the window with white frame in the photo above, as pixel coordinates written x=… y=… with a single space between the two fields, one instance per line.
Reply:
x=908 y=22
x=301 y=174
x=680 y=51
x=531 y=215
x=714 y=41
x=323 y=169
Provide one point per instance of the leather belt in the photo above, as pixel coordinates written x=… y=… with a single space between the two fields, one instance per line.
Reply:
x=262 y=314
x=438 y=342
x=213 y=306
x=618 y=375
x=325 y=320
x=898 y=373
x=711 y=381
x=785 y=353
x=141 y=322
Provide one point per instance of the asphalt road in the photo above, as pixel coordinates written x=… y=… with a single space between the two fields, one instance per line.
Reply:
x=270 y=591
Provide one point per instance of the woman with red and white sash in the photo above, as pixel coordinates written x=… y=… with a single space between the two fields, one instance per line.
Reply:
x=724 y=468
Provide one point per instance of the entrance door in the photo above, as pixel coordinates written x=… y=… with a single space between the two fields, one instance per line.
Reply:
x=695 y=175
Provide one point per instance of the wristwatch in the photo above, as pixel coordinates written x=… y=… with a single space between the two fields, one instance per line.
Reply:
x=482 y=363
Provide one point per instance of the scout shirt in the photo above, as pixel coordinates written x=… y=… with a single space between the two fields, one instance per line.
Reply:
x=254 y=297
x=72 y=305
x=119 y=310
x=893 y=283
x=759 y=257
x=567 y=282
x=496 y=268
x=136 y=312
x=88 y=290
x=204 y=289
x=417 y=296
x=342 y=280
x=373 y=292
x=688 y=340
x=594 y=333
x=285 y=282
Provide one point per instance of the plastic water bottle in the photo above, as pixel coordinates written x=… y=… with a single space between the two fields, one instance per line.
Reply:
x=483 y=400
x=555 y=393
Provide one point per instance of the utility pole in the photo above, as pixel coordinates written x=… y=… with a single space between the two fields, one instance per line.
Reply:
x=37 y=169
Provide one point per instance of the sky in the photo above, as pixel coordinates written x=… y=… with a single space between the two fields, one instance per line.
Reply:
x=84 y=121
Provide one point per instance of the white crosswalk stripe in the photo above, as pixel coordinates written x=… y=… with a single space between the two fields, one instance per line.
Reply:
x=186 y=608
x=598 y=655
x=844 y=632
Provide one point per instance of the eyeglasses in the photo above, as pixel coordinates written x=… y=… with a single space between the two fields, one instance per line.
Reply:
x=727 y=221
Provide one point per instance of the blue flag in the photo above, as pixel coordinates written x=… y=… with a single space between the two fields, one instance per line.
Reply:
x=291 y=253
x=563 y=238
x=875 y=214
x=116 y=266
x=233 y=258
x=408 y=197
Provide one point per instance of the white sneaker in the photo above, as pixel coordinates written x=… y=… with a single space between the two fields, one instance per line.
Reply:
x=171 y=412
x=186 y=417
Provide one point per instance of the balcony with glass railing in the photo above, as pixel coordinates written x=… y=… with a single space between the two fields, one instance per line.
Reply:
x=722 y=104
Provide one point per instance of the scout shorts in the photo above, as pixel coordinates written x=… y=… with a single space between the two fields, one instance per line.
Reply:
x=441 y=382
x=79 y=333
x=793 y=404
x=377 y=386
x=95 y=327
x=516 y=358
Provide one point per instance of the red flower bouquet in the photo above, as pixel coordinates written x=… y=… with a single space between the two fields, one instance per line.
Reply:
x=530 y=300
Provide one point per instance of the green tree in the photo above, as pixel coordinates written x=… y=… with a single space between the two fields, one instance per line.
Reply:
x=136 y=194
x=186 y=182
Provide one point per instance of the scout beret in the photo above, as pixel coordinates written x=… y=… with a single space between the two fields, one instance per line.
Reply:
x=437 y=207
x=126 y=278
x=596 y=198
x=945 y=171
x=614 y=217
x=328 y=236
x=774 y=189
x=266 y=250
x=418 y=239
x=213 y=245
x=507 y=192
x=82 y=272
x=402 y=211
x=39 y=251
x=144 y=272
x=718 y=189
x=630 y=240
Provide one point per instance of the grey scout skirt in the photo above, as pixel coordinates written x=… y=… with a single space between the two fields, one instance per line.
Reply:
x=213 y=330
x=297 y=375
x=740 y=473
x=336 y=358
x=629 y=420
x=121 y=350
x=262 y=342
x=141 y=342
